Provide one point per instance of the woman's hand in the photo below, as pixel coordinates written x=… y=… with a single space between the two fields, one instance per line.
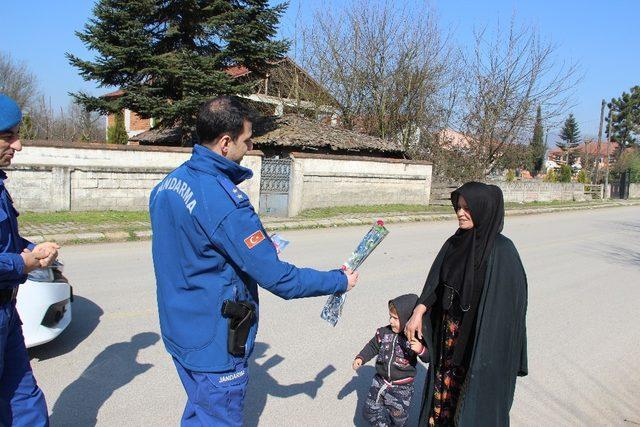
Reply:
x=413 y=327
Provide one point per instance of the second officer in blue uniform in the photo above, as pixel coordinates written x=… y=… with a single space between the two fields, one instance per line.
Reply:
x=210 y=253
x=22 y=403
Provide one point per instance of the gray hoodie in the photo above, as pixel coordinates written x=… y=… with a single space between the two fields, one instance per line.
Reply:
x=396 y=361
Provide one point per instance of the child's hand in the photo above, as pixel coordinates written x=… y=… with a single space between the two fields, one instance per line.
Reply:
x=357 y=363
x=416 y=346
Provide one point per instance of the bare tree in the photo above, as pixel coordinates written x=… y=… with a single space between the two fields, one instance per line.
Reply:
x=17 y=81
x=43 y=122
x=74 y=123
x=506 y=77
x=389 y=68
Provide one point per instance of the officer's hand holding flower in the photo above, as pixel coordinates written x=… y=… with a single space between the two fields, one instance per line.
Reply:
x=352 y=278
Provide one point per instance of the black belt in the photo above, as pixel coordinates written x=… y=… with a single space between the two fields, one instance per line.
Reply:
x=8 y=295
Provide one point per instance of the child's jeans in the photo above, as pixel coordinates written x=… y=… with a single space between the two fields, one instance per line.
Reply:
x=387 y=404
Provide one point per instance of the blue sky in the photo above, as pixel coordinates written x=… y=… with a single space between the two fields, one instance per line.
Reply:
x=599 y=35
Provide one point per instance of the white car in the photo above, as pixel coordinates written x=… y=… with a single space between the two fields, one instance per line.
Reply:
x=44 y=304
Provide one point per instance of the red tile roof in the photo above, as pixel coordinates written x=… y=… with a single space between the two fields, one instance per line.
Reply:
x=592 y=148
x=237 y=71
x=114 y=94
x=234 y=71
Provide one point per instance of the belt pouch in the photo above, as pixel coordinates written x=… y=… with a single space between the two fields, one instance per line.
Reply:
x=239 y=316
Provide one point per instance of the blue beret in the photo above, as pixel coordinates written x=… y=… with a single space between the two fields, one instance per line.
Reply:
x=10 y=114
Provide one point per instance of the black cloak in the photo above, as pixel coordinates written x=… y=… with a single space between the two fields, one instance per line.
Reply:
x=498 y=352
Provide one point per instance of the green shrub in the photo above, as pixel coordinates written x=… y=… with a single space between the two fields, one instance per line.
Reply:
x=629 y=160
x=511 y=175
x=582 y=177
x=565 y=173
x=117 y=134
x=552 y=176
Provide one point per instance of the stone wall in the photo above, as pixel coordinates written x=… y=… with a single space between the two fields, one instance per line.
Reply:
x=80 y=177
x=539 y=191
x=49 y=176
x=520 y=191
x=325 y=181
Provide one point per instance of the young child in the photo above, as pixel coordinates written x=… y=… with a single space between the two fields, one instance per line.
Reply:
x=392 y=387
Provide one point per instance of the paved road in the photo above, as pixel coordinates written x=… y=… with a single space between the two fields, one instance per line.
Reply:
x=584 y=352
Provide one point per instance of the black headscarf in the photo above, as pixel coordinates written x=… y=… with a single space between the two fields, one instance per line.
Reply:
x=464 y=263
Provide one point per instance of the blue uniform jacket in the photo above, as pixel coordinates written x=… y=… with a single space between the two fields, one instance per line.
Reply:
x=11 y=244
x=209 y=246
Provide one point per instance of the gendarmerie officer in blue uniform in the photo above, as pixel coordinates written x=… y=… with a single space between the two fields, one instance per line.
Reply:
x=21 y=400
x=210 y=253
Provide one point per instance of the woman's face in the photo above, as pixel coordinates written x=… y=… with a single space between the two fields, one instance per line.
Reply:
x=464 y=214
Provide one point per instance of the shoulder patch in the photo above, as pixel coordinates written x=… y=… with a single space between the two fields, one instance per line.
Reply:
x=239 y=198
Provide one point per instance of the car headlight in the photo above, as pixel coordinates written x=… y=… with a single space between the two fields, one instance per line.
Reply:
x=41 y=275
x=58 y=265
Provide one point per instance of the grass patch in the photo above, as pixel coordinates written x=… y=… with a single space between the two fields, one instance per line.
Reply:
x=88 y=218
x=84 y=241
x=358 y=209
x=126 y=219
x=386 y=209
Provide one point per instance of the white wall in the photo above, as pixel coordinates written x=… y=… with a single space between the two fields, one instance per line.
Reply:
x=57 y=154
x=83 y=177
x=540 y=191
x=323 y=181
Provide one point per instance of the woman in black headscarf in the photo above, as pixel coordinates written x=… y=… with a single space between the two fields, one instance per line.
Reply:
x=475 y=298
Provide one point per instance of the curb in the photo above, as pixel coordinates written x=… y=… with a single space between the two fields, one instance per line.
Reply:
x=121 y=236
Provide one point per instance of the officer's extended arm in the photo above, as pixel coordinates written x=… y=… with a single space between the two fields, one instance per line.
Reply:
x=244 y=240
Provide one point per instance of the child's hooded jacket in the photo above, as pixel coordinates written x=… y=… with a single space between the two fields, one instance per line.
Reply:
x=396 y=361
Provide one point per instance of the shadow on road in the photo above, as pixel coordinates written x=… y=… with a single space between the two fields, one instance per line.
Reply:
x=361 y=382
x=616 y=254
x=262 y=384
x=113 y=368
x=85 y=317
x=613 y=402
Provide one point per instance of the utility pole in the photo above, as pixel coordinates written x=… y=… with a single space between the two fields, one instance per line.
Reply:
x=606 y=174
x=546 y=149
x=598 y=150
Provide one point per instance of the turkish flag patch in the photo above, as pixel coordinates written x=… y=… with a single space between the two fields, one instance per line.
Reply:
x=254 y=239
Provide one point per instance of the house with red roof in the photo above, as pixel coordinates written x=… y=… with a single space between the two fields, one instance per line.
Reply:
x=287 y=88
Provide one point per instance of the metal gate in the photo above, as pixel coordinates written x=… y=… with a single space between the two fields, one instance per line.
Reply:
x=274 y=186
x=625 y=182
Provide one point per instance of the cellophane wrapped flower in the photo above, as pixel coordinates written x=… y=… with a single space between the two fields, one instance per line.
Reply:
x=332 y=310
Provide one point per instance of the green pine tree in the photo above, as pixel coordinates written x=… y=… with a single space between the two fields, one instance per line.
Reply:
x=625 y=118
x=570 y=136
x=169 y=56
x=117 y=133
x=537 y=146
x=26 y=128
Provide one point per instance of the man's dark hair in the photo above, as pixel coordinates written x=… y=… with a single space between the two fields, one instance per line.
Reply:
x=225 y=114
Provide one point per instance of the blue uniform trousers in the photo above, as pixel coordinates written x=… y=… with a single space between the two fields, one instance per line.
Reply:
x=213 y=399
x=21 y=400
